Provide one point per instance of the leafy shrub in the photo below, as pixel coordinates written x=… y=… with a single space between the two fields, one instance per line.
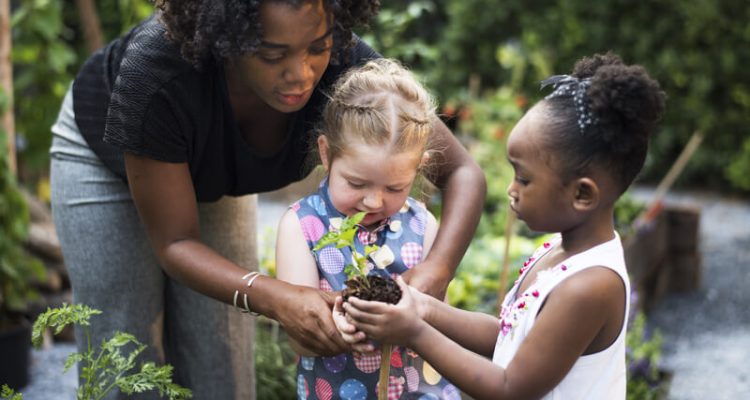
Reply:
x=645 y=381
x=18 y=270
x=108 y=368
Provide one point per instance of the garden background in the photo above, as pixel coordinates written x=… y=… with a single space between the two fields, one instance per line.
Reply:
x=483 y=59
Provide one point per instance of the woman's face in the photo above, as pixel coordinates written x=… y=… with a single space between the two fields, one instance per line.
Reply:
x=292 y=57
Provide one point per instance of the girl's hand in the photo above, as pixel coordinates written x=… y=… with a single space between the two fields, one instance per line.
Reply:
x=349 y=332
x=387 y=323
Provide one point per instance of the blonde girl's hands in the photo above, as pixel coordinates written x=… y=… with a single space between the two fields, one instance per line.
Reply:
x=350 y=334
x=387 y=323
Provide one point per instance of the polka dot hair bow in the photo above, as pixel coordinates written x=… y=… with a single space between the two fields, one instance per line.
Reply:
x=570 y=86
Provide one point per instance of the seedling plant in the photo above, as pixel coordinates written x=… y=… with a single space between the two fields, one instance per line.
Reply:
x=363 y=285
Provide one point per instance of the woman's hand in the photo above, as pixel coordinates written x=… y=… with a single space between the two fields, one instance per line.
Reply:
x=305 y=314
x=388 y=323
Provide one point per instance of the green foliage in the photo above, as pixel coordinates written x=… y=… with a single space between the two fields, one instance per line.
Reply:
x=643 y=352
x=737 y=172
x=344 y=237
x=48 y=49
x=6 y=393
x=627 y=209
x=476 y=285
x=696 y=49
x=275 y=367
x=42 y=60
x=18 y=270
x=115 y=362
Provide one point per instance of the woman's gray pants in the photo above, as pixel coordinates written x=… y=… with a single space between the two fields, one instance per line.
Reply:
x=113 y=268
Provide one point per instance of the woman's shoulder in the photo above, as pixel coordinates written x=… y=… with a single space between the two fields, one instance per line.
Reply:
x=150 y=59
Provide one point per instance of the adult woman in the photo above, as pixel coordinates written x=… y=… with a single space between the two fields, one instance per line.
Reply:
x=220 y=109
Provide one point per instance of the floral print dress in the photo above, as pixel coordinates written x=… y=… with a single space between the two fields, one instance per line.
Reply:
x=355 y=376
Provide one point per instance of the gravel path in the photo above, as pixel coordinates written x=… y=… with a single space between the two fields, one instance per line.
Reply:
x=706 y=332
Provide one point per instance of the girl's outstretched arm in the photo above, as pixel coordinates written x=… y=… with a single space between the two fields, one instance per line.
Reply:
x=463 y=188
x=582 y=316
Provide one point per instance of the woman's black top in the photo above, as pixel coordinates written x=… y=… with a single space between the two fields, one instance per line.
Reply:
x=138 y=95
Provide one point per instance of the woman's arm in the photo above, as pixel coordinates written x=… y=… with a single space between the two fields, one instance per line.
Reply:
x=463 y=187
x=164 y=196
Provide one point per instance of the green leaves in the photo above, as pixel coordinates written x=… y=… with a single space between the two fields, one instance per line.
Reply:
x=18 y=270
x=58 y=318
x=6 y=393
x=113 y=365
x=344 y=237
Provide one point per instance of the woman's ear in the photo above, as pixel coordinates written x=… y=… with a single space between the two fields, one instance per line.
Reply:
x=323 y=151
x=587 y=194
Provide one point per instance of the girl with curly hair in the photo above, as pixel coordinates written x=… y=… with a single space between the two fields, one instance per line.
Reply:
x=161 y=143
x=561 y=330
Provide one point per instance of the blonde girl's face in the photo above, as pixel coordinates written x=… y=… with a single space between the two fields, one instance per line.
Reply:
x=369 y=178
x=537 y=193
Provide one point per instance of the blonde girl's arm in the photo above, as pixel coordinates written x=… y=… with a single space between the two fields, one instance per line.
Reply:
x=294 y=261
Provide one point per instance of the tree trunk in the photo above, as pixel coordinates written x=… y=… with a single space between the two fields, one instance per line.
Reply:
x=6 y=82
x=92 y=30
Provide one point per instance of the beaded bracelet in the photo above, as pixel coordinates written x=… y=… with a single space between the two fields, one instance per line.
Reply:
x=251 y=277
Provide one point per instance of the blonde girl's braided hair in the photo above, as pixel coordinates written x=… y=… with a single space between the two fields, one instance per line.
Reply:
x=379 y=103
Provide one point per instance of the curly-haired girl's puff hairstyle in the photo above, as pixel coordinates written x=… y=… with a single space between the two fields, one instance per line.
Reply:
x=626 y=105
x=224 y=29
x=379 y=103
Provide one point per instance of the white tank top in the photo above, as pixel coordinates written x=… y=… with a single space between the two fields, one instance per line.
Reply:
x=594 y=376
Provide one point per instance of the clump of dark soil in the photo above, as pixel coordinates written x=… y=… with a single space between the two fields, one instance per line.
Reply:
x=379 y=289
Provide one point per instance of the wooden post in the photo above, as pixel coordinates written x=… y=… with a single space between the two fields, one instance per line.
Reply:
x=385 y=371
x=6 y=83
x=92 y=30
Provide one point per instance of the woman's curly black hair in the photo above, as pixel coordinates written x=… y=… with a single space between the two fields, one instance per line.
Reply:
x=627 y=105
x=223 y=29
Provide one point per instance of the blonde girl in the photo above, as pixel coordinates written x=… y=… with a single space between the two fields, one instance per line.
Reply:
x=375 y=137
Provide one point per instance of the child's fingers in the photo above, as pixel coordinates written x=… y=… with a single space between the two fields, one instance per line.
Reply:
x=374 y=307
x=364 y=347
x=355 y=315
x=340 y=320
x=355 y=338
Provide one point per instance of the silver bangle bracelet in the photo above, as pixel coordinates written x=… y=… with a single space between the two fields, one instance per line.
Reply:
x=251 y=277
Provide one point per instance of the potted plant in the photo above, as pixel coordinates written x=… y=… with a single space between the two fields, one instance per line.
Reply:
x=18 y=274
x=363 y=285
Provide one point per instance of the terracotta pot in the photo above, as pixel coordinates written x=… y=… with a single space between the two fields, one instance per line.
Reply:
x=15 y=346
